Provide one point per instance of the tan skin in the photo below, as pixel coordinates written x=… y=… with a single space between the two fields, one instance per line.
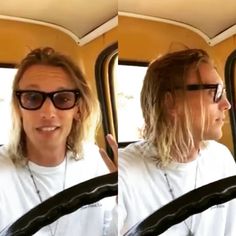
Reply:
x=214 y=119
x=112 y=166
x=215 y=112
x=47 y=128
x=46 y=147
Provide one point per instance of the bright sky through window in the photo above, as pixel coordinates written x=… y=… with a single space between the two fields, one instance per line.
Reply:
x=6 y=79
x=128 y=85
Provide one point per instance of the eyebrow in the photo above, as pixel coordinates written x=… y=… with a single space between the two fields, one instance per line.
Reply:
x=32 y=86
x=35 y=86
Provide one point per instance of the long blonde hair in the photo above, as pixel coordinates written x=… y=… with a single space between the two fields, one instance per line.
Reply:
x=82 y=130
x=172 y=136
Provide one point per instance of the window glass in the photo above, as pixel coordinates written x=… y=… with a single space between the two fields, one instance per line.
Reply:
x=6 y=79
x=128 y=85
x=230 y=78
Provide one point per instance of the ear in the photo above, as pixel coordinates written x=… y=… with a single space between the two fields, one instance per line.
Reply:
x=170 y=104
x=77 y=113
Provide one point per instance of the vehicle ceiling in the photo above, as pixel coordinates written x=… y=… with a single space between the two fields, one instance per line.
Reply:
x=213 y=20
x=84 y=20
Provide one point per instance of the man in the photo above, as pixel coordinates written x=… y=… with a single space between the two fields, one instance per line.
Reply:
x=55 y=116
x=184 y=105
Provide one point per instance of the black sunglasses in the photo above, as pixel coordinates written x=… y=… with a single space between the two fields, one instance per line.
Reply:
x=218 y=93
x=33 y=99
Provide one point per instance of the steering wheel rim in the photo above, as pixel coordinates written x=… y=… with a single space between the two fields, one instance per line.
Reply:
x=193 y=202
x=64 y=203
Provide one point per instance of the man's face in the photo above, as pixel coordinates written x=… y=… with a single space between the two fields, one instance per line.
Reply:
x=214 y=111
x=48 y=126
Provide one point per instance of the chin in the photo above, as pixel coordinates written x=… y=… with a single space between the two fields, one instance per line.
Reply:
x=215 y=136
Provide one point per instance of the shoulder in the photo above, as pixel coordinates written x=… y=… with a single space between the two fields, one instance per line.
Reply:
x=89 y=152
x=133 y=152
x=136 y=158
x=91 y=159
x=217 y=156
x=7 y=167
x=137 y=149
x=4 y=155
x=216 y=148
x=3 y=150
x=89 y=149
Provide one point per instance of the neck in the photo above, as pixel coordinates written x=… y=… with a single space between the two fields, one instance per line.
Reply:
x=191 y=156
x=46 y=156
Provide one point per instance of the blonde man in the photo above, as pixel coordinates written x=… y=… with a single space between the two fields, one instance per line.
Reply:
x=51 y=148
x=184 y=105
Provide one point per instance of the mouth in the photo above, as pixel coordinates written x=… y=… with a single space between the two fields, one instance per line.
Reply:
x=220 y=120
x=47 y=128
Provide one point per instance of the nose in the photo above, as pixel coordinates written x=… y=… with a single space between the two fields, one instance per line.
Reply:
x=224 y=103
x=47 y=111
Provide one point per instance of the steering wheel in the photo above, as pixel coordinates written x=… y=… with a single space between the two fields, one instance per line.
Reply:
x=64 y=203
x=188 y=204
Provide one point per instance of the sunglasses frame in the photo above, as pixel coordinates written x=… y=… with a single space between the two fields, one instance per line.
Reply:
x=45 y=95
x=194 y=87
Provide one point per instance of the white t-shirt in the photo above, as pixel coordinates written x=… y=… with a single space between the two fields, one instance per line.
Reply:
x=18 y=194
x=143 y=188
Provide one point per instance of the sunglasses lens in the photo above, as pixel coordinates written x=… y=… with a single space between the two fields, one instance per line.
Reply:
x=64 y=100
x=31 y=100
x=219 y=93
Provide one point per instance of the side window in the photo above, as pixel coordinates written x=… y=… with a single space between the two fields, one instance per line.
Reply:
x=119 y=85
x=128 y=83
x=104 y=73
x=7 y=73
x=230 y=81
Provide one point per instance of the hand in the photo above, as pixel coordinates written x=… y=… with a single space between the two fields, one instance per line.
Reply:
x=112 y=166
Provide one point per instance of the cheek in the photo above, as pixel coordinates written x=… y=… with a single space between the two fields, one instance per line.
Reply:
x=26 y=120
x=211 y=116
x=195 y=111
x=67 y=121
